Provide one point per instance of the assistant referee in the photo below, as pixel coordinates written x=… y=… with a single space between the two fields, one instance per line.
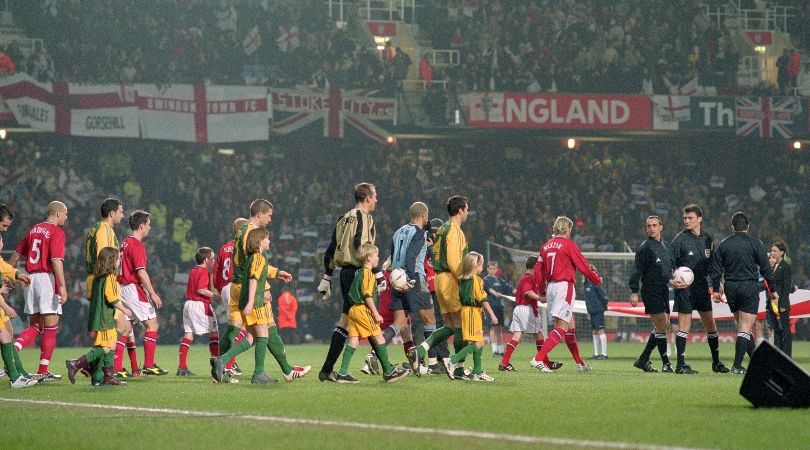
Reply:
x=740 y=260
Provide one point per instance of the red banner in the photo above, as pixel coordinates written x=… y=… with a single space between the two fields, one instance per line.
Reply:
x=565 y=111
x=760 y=37
x=382 y=28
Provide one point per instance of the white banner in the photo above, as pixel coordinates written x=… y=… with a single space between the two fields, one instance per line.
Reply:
x=204 y=114
x=103 y=110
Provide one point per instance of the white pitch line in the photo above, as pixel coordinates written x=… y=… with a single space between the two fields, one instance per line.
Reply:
x=359 y=425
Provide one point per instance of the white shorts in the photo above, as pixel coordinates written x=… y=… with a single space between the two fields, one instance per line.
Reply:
x=560 y=299
x=40 y=297
x=142 y=310
x=196 y=321
x=226 y=295
x=524 y=320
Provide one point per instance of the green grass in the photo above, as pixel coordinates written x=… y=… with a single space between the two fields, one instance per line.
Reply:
x=614 y=403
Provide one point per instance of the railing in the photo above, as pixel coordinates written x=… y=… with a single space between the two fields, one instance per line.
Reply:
x=754 y=70
x=443 y=58
x=394 y=10
x=774 y=18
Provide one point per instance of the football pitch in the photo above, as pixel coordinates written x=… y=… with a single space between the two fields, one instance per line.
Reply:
x=614 y=406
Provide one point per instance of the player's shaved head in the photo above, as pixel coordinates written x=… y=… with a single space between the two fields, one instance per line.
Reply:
x=238 y=224
x=56 y=207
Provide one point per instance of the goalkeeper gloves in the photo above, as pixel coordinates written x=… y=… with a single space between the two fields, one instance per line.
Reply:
x=325 y=286
x=382 y=285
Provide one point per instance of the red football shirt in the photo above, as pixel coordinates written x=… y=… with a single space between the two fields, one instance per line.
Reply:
x=430 y=275
x=133 y=259
x=198 y=278
x=525 y=285
x=560 y=258
x=223 y=272
x=384 y=305
x=42 y=243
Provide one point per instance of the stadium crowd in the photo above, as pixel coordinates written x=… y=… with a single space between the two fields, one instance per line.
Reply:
x=195 y=193
x=572 y=46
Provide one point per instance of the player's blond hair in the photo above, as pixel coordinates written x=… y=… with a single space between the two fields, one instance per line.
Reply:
x=238 y=224
x=366 y=250
x=417 y=209
x=469 y=265
x=562 y=225
x=56 y=207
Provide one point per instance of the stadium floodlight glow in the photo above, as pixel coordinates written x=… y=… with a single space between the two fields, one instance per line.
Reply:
x=760 y=49
x=226 y=151
x=571 y=143
x=797 y=145
x=391 y=139
x=2 y=134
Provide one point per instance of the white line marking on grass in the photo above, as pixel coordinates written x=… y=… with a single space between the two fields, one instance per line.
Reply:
x=359 y=425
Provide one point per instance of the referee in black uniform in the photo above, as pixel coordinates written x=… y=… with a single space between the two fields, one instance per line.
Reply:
x=654 y=269
x=693 y=248
x=740 y=260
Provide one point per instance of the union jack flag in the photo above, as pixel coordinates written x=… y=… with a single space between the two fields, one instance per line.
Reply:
x=766 y=116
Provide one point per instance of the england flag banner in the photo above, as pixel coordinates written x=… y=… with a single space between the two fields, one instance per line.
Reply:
x=99 y=110
x=766 y=117
x=203 y=114
x=564 y=111
x=670 y=110
x=294 y=109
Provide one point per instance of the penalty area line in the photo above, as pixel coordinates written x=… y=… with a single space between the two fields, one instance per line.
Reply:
x=501 y=437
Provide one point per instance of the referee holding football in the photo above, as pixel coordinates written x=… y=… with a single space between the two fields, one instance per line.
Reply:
x=740 y=260
x=653 y=268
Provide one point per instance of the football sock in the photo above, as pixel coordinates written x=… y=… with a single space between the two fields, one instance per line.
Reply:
x=596 y=344
x=132 y=351
x=237 y=349
x=493 y=344
x=382 y=356
x=184 y=346
x=428 y=331
x=348 y=352
x=46 y=347
x=97 y=369
x=26 y=337
x=603 y=341
x=680 y=346
x=406 y=346
x=261 y=352
x=276 y=347
x=8 y=351
x=335 y=347
x=213 y=344
x=107 y=359
x=477 y=361
x=462 y=353
x=390 y=333
x=651 y=343
x=120 y=346
x=231 y=342
x=510 y=348
x=458 y=341
x=18 y=363
x=538 y=344
x=714 y=346
x=434 y=340
x=741 y=347
x=573 y=347
x=554 y=338
x=149 y=346
x=661 y=340
x=228 y=338
x=94 y=355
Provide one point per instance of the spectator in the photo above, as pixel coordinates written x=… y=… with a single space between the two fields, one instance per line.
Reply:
x=287 y=324
x=426 y=71
x=6 y=64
